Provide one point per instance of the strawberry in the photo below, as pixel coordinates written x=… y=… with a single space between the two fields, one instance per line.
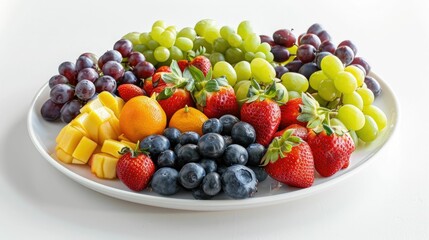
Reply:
x=183 y=64
x=262 y=111
x=289 y=160
x=202 y=63
x=163 y=69
x=172 y=99
x=331 y=146
x=289 y=112
x=135 y=169
x=298 y=131
x=150 y=83
x=128 y=91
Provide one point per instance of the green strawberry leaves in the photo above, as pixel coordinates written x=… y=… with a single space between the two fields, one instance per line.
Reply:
x=280 y=147
x=256 y=92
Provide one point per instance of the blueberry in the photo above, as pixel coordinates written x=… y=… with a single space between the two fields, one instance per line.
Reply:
x=260 y=173
x=199 y=194
x=235 y=154
x=167 y=159
x=189 y=137
x=173 y=135
x=212 y=125
x=176 y=148
x=155 y=144
x=165 y=181
x=228 y=140
x=221 y=168
x=239 y=182
x=191 y=175
x=187 y=153
x=211 y=145
x=243 y=133
x=255 y=151
x=228 y=121
x=209 y=165
x=211 y=184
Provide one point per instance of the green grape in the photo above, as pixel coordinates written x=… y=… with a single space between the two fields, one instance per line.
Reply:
x=172 y=29
x=176 y=53
x=220 y=45
x=235 y=40
x=260 y=55
x=203 y=25
x=316 y=78
x=337 y=122
x=159 y=23
x=201 y=42
x=156 y=32
x=293 y=94
x=161 y=54
x=225 y=69
x=144 y=37
x=226 y=31
x=345 y=82
x=239 y=83
x=184 y=44
x=243 y=70
x=327 y=90
x=234 y=55
x=354 y=136
x=263 y=71
x=292 y=50
x=187 y=32
x=357 y=73
x=377 y=114
x=242 y=91
x=152 y=44
x=295 y=82
x=367 y=96
x=140 y=48
x=251 y=42
x=211 y=34
x=369 y=131
x=331 y=66
x=244 y=29
x=354 y=99
x=352 y=117
x=216 y=57
x=249 y=56
x=269 y=56
x=285 y=97
x=319 y=99
x=167 y=39
x=148 y=54
x=133 y=37
x=263 y=47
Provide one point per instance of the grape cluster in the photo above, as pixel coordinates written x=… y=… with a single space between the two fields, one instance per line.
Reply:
x=78 y=82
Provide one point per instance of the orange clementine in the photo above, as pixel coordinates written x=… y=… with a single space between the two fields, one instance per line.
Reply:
x=188 y=119
x=140 y=117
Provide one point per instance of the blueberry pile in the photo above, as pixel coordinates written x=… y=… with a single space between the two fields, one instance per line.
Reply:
x=224 y=159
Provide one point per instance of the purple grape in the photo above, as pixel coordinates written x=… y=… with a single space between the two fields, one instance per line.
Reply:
x=267 y=39
x=349 y=44
x=360 y=67
x=84 y=62
x=61 y=93
x=280 y=70
x=373 y=85
x=327 y=46
x=57 y=79
x=308 y=68
x=284 y=37
x=311 y=39
x=92 y=56
x=345 y=54
x=105 y=83
x=51 y=111
x=294 y=66
x=124 y=46
x=319 y=57
x=87 y=73
x=113 y=69
x=70 y=110
x=363 y=63
x=324 y=36
x=144 y=70
x=128 y=77
x=68 y=70
x=85 y=90
x=135 y=58
x=316 y=28
x=111 y=55
x=306 y=53
x=280 y=53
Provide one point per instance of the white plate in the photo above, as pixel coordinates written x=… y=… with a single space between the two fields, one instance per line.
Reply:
x=43 y=135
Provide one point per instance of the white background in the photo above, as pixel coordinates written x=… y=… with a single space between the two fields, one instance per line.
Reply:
x=388 y=199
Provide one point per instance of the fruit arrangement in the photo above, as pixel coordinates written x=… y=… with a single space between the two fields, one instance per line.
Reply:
x=214 y=109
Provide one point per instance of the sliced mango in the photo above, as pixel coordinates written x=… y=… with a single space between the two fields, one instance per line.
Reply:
x=112 y=147
x=63 y=156
x=71 y=138
x=91 y=105
x=109 y=167
x=84 y=150
x=106 y=132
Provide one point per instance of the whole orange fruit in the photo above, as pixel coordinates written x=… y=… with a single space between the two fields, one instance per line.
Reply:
x=188 y=119
x=140 y=117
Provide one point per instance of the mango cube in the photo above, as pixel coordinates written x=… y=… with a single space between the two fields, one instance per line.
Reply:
x=71 y=138
x=106 y=132
x=63 y=156
x=84 y=150
x=112 y=147
x=94 y=120
x=109 y=101
x=109 y=167
x=91 y=106
x=129 y=144
x=97 y=164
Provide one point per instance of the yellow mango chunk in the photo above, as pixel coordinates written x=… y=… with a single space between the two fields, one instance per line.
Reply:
x=106 y=132
x=108 y=100
x=114 y=122
x=112 y=147
x=129 y=144
x=71 y=138
x=91 y=106
x=79 y=120
x=63 y=156
x=84 y=150
x=77 y=161
x=109 y=167
x=61 y=134
x=123 y=137
x=94 y=120
x=97 y=164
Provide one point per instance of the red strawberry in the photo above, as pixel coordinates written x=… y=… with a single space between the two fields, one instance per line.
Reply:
x=202 y=63
x=128 y=91
x=155 y=81
x=290 y=111
x=183 y=64
x=289 y=160
x=135 y=169
x=172 y=99
x=298 y=131
x=163 y=69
